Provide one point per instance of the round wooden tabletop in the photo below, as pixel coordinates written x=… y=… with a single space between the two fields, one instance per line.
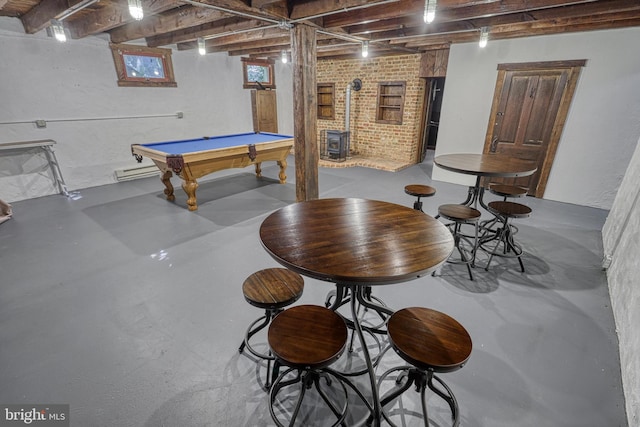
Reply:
x=356 y=241
x=485 y=165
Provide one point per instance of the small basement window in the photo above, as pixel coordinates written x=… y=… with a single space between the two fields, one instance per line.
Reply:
x=390 y=102
x=258 y=73
x=143 y=66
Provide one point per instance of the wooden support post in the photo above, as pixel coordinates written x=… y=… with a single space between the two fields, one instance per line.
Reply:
x=303 y=56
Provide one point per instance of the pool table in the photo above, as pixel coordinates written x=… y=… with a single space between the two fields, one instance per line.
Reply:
x=194 y=158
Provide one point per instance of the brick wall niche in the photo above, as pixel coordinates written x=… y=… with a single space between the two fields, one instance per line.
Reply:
x=369 y=138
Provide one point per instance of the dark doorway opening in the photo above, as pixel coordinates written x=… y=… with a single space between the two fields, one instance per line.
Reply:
x=433 y=106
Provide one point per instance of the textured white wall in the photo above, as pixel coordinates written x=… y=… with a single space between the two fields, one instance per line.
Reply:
x=44 y=79
x=604 y=119
x=621 y=242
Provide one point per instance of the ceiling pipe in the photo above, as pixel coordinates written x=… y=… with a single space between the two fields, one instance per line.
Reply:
x=344 y=9
x=75 y=8
x=233 y=32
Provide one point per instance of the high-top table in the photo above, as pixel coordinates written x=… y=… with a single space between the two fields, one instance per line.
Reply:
x=484 y=165
x=356 y=243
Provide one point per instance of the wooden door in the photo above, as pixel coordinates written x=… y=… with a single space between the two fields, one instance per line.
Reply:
x=529 y=109
x=265 y=111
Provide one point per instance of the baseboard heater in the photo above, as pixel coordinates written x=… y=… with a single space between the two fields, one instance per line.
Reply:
x=136 y=173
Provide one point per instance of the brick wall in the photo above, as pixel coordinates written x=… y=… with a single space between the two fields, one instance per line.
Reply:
x=368 y=138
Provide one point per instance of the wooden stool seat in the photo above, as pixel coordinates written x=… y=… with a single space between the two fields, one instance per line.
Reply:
x=308 y=339
x=431 y=342
x=504 y=190
x=460 y=215
x=454 y=212
x=509 y=209
x=429 y=339
x=273 y=288
x=506 y=245
x=307 y=336
x=270 y=289
x=419 y=190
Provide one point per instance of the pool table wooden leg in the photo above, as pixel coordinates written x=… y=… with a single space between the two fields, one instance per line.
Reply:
x=283 y=167
x=259 y=170
x=189 y=187
x=168 y=191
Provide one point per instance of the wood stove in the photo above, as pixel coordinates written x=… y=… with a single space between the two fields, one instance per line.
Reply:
x=334 y=145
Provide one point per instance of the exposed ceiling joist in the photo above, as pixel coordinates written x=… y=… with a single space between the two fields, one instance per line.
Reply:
x=258 y=28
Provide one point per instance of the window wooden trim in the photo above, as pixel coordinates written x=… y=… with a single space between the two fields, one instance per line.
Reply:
x=326 y=109
x=390 y=105
x=247 y=84
x=119 y=50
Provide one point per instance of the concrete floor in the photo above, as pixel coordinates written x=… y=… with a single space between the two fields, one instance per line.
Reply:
x=129 y=308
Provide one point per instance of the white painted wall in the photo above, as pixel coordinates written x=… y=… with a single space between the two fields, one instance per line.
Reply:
x=603 y=125
x=621 y=242
x=41 y=78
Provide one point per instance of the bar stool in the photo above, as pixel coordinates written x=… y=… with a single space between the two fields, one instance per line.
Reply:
x=308 y=339
x=506 y=245
x=431 y=342
x=419 y=190
x=270 y=289
x=461 y=215
x=506 y=192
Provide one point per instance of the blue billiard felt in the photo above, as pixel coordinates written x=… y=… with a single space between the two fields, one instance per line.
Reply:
x=214 y=142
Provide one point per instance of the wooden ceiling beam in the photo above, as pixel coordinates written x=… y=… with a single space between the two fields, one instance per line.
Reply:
x=557 y=25
x=39 y=17
x=584 y=11
x=528 y=29
x=110 y=15
x=253 y=44
x=252 y=36
x=239 y=5
x=274 y=51
x=171 y=21
x=446 y=11
x=550 y=30
x=356 y=54
x=279 y=8
x=465 y=13
x=257 y=4
x=375 y=13
x=246 y=8
x=303 y=9
x=283 y=42
x=216 y=28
